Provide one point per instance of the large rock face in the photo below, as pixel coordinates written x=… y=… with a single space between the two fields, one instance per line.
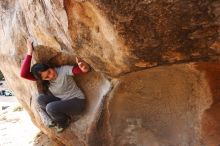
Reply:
x=155 y=78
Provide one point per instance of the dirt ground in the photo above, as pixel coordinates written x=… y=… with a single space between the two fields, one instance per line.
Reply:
x=16 y=128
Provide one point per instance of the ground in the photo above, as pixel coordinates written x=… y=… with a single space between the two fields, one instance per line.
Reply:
x=16 y=128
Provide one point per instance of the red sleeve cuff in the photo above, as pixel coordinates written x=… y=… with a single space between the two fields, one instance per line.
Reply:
x=29 y=55
x=77 y=71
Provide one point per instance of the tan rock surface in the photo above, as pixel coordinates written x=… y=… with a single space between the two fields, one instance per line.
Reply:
x=129 y=102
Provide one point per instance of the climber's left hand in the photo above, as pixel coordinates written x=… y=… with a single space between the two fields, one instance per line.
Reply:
x=82 y=65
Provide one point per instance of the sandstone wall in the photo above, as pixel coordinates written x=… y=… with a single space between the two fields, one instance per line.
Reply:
x=155 y=67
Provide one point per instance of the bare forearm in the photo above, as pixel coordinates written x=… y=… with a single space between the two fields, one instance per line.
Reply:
x=29 y=46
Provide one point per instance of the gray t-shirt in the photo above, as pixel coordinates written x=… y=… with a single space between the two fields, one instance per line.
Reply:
x=64 y=86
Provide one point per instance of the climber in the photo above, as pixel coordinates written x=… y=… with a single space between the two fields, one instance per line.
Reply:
x=62 y=97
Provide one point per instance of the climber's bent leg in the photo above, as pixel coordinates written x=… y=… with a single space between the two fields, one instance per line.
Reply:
x=59 y=110
x=44 y=99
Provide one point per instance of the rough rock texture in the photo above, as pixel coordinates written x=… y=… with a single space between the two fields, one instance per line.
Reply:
x=155 y=67
x=162 y=106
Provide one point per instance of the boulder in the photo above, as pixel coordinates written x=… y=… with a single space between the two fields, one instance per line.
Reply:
x=155 y=67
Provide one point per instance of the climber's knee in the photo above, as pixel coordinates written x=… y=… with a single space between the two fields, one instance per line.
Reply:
x=51 y=107
x=44 y=99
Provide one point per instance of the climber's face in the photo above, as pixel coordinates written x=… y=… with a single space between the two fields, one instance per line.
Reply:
x=49 y=74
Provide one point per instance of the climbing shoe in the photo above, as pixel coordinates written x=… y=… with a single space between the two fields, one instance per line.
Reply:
x=51 y=124
x=60 y=127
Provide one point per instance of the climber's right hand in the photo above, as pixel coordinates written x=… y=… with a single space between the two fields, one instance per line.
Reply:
x=30 y=46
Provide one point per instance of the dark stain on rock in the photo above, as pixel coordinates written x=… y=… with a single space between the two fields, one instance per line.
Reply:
x=153 y=28
x=210 y=121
